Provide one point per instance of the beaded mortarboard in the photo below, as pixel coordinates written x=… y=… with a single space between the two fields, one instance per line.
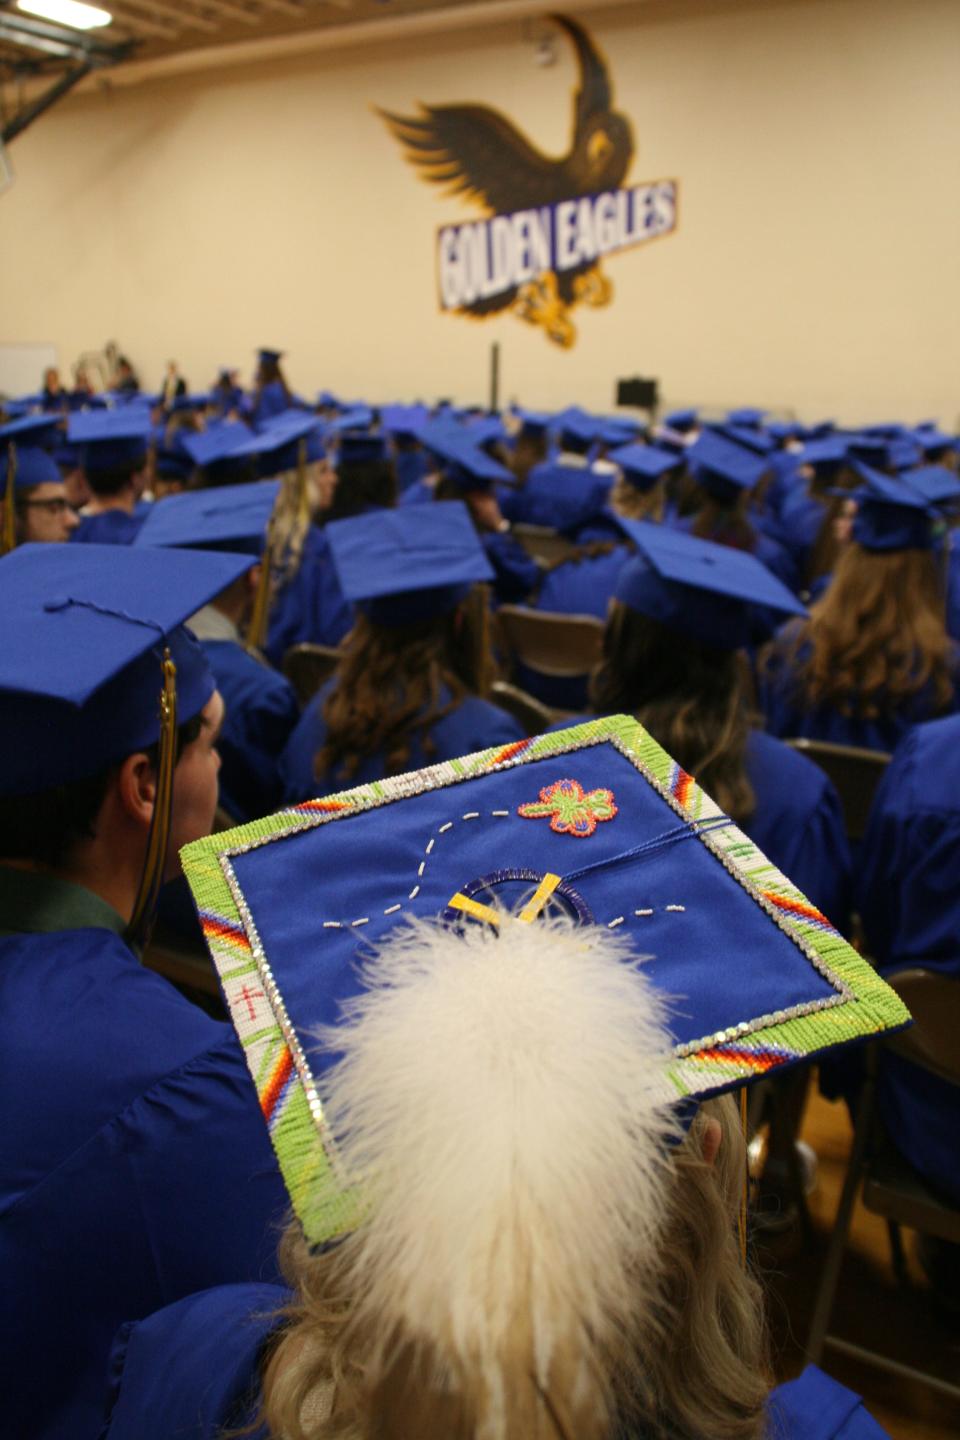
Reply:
x=597 y=822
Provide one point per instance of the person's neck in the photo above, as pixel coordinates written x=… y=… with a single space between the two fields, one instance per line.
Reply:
x=124 y=500
x=115 y=888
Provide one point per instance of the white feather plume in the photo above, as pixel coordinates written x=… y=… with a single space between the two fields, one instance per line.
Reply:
x=502 y=1095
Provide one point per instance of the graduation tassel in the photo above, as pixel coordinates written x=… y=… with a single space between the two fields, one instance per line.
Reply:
x=8 y=534
x=301 y=507
x=152 y=876
x=257 y=628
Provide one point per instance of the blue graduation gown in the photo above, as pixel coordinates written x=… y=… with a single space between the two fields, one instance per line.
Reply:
x=475 y=724
x=418 y=492
x=582 y=587
x=788 y=716
x=410 y=466
x=515 y=573
x=908 y=893
x=272 y=400
x=561 y=495
x=110 y=527
x=135 y=1166
x=309 y=607
x=952 y=561
x=192 y=1371
x=261 y=711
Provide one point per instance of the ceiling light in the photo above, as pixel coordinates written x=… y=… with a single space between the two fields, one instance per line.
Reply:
x=67 y=12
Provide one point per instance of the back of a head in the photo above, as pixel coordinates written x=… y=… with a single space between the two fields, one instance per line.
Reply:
x=877 y=638
x=516 y=1274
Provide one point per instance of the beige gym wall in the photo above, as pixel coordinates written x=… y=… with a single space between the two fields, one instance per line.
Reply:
x=815 y=266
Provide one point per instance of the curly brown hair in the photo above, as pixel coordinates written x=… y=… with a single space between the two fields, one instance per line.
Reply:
x=395 y=682
x=695 y=701
x=876 y=639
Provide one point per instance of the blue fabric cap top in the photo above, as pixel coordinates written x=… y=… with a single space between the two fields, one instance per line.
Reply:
x=41 y=430
x=682 y=419
x=709 y=592
x=891 y=515
x=32 y=466
x=935 y=483
x=268 y=357
x=111 y=438
x=217 y=443
x=830 y=451
x=533 y=422
x=80 y=667
x=643 y=465
x=229 y=517
x=723 y=467
x=750 y=438
x=357 y=417
x=277 y=449
x=467 y=466
x=405 y=565
x=929 y=438
x=746 y=415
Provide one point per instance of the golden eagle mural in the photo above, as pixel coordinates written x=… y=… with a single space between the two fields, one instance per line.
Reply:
x=550 y=221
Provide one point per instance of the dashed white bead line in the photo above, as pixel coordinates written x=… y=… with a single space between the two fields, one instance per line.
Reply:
x=675 y=907
x=391 y=910
x=501 y=812
x=421 y=867
x=332 y=925
x=414 y=893
x=471 y=815
x=431 y=845
x=612 y=924
x=643 y=912
x=444 y=828
x=364 y=921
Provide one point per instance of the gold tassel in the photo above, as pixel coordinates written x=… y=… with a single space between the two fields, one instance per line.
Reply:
x=742 y=1216
x=8 y=537
x=152 y=876
x=257 y=628
x=302 y=505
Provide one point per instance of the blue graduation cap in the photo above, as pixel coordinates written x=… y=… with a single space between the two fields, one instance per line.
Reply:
x=358 y=417
x=871 y=448
x=402 y=566
x=111 y=438
x=747 y=416
x=829 y=452
x=361 y=447
x=931 y=439
x=578 y=430
x=31 y=466
x=467 y=466
x=891 y=515
x=269 y=357
x=403 y=421
x=214 y=449
x=230 y=517
x=722 y=467
x=903 y=453
x=38 y=430
x=595 y=826
x=749 y=437
x=711 y=593
x=172 y=465
x=277 y=449
x=85 y=629
x=937 y=484
x=534 y=423
x=780 y=430
x=644 y=465
x=486 y=430
x=682 y=420
x=187 y=403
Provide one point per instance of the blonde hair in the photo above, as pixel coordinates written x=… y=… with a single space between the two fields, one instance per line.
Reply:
x=537 y=1261
x=635 y=504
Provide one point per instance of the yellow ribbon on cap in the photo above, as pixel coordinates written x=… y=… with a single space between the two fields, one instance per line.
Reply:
x=151 y=877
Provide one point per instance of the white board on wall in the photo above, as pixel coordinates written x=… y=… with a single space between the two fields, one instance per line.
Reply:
x=22 y=367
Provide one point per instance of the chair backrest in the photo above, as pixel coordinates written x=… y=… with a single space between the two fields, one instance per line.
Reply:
x=560 y=645
x=308 y=666
x=933 y=1000
x=856 y=773
x=543 y=544
x=533 y=715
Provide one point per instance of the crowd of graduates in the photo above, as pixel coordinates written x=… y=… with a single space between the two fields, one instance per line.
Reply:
x=759 y=580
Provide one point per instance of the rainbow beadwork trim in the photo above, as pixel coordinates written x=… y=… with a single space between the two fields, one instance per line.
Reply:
x=860 y=1005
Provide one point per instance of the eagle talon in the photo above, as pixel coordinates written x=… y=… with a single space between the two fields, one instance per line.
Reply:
x=593 y=288
x=538 y=302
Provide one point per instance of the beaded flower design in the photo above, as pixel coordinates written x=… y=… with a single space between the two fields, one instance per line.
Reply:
x=571 y=811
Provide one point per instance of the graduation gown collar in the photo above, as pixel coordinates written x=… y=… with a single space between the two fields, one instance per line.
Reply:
x=35 y=903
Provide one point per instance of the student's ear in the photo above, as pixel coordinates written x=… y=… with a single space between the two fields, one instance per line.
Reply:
x=137 y=788
x=712 y=1136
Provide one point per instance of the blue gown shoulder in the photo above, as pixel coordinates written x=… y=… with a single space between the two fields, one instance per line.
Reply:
x=261 y=711
x=137 y=1136
x=473 y=724
x=110 y=527
x=582 y=587
x=309 y=606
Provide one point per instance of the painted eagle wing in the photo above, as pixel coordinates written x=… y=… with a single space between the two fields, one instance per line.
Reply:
x=595 y=95
x=476 y=152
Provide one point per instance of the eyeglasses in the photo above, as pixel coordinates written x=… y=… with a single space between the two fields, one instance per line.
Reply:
x=53 y=507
